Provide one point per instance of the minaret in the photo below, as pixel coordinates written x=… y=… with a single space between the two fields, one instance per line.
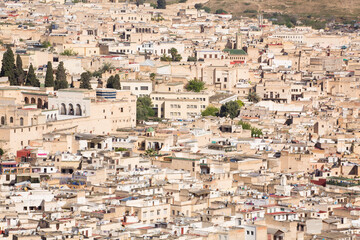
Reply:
x=238 y=41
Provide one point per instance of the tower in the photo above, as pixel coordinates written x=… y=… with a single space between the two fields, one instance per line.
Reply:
x=238 y=44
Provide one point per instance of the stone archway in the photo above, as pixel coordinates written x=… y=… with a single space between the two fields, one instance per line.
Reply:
x=78 y=110
x=62 y=109
x=40 y=103
x=71 y=109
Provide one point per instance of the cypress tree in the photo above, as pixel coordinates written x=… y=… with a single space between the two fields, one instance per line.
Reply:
x=116 y=84
x=60 y=81
x=19 y=73
x=8 y=66
x=113 y=82
x=49 y=77
x=110 y=82
x=85 y=80
x=31 y=79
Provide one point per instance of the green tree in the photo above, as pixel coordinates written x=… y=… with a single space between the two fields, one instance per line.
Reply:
x=60 y=81
x=104 y=68
x=175 y=57
x=161 y=4
x=69 y=52
x=195 y=85
x=207 y=9
x=8 y=66
x=230 y=109
x=198 y=6
x=113 y=82
x=150 y=152
x=241 y=104
x=144 y=108
x=253 y=97
x=85 y=78
x=1 y=152
x=210 y=111
x=19 y=73
x=45 y=44
x=117 y=82
x=152 y=76
x=255 y=132
x=31 y=79
x=220 y=11
x=165 y=58
x=191 y=59
x=49 y=77
x=245 y=125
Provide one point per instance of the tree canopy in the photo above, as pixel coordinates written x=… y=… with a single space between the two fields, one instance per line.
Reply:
x=19 y=72
x=31 y=79
x=230 y=109
x=85 y=78
x=60 y=81
x=113 y=82
x=175 y=56
x=210 y=111
x=253 y=97
x=49 y=77
x=8 y=66
x=195 y=85
x=255 y=132
x=143 y=108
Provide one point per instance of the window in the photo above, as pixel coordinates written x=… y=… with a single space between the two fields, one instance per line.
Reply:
x=144 y=88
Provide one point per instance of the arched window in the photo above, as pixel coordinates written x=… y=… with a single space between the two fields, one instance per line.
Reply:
x=78 y=110
x=21 y=121
x=71 y=109
x=63 y=109
x=40 y=103
x=2 y=120
x=26 y=100
x=11 y=119
x=33 y=101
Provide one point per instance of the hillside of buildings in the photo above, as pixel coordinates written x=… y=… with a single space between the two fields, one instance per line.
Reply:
x=133 y=122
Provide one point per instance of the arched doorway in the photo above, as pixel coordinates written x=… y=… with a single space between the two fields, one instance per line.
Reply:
x=78 y=110
x=63 y=109
x=71 y=109
x=40 y=103
x=33 y=101
x=26 y=100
